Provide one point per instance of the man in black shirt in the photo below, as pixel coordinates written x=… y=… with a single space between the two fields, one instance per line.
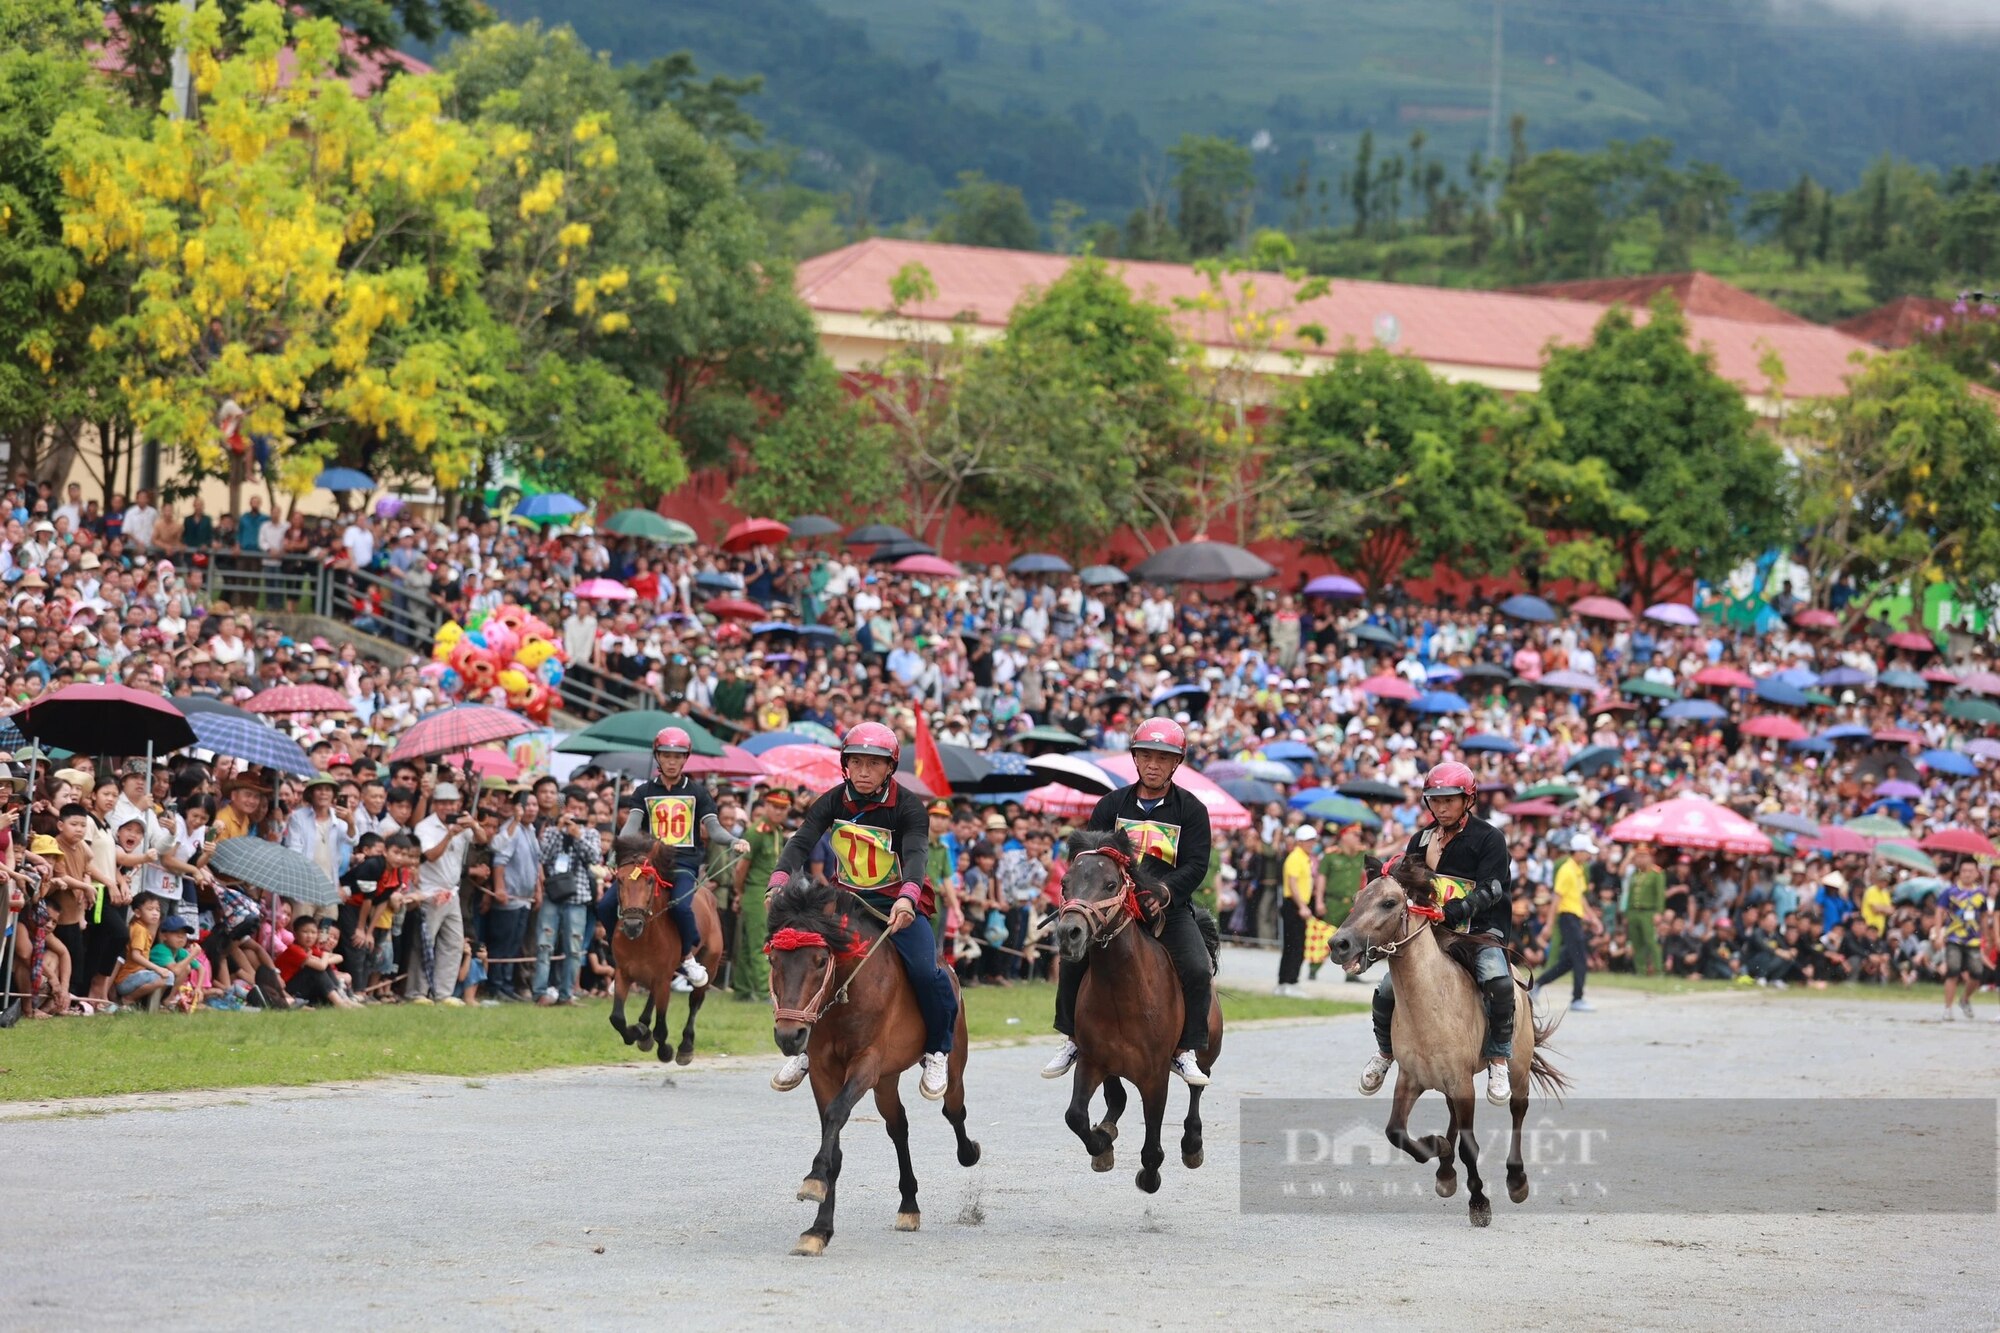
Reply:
x=676 y=810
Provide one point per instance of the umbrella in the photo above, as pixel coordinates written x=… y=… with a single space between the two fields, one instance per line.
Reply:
x=733 y=762
x=1844 y=731
x=191 y=704
x=1912 y=641
x=1036 y=562
x=1983 y=748
x=1898 y=736
x=1559 y=791
x=1290 y=751
x=1440 y=701
x=1897 y=680
x=1440 y=674
x=733 y=608
x=1896 y=789
x=493 y=764
x=1814 y=617
x=1521 y=606
x=1980 y=711
x=1250 y=791
x=929 y=566
x=105 y=719
x=1816 y=744
x=774 y=627
x=874 y=534
x=1485 y=743
x=1877 y=826
x=1725 y=677
x=1690 y=821
x=1673 y=613
x=1167 y=696
x=1102 y=576
x=634 y=729
x=964 y=767
x=1836 y=841
x=274 y=868
x=808 y=526
x=888 y=553
x=10 y=736
x=1652 y=689
x=1595 y=759
x=1389 y=687
x=1918 y=888
x=1051 y=737
x=1786 y=822
x=716 y=579
x=1334 y=585
x=1980 y=682
x=771 y=739
x=811 y=766
x=1369 y=789
x=752 y=532
x=1264 y=770
x=1539 y=808
x=1938 y=675
x=298 y=699
x=1775 y=691
x=343 y=479
x=1204 y=562
x=553 y=505
x=650 y=526
x=1694 y=710
x=252 y=740
x=606 y=590
x=1774 y=727
x=1224 y=811
x=813 y=731
x=1570 y=680
x=1846 y=677
x=825 y=632
x=458 y=729
x=1948 y=761
x=1601 y=608
x=1964 y=841
x=1797 y=677
x=1074 y=772
x=1487 y=671
x=1370 y=632
x=1903 y=854
x=1340 y=810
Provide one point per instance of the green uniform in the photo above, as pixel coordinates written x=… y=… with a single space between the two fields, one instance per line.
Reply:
x=750 y=978
x=1644 y=897
x=1342 y=872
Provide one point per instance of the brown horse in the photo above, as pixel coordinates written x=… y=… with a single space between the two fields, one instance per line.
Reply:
x=853 y=1012
x=1440 y=1026
x=1129 y=1008
x=647 y=948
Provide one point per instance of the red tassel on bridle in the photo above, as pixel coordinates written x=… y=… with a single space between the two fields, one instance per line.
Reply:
x=789 y=939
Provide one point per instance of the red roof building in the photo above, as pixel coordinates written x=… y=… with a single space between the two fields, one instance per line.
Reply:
x=1697 y=293
x=1898 y=323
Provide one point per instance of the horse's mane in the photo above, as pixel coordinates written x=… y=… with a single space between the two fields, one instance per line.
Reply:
x=819 y=908
x=1415 y=878
x=630 y=847
x=1142 y=874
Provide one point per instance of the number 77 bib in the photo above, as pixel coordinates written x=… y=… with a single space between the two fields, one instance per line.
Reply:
x=867 y=856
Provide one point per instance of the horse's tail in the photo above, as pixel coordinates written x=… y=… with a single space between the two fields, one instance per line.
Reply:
x=1551 y=1082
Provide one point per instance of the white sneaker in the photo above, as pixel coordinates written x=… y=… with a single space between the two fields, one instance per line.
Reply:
x=1499 y=1088
x=1059 y=1063
x=937 y=1075
x=1188 y=1066
x=790 y=1074
x=681 y=985
x=1373 y=1073
x=1949 y=1016
x=1965 y=1007
x=1582 y=1006
x=696 y=974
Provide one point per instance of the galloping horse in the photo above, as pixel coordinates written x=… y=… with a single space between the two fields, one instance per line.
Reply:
x=1128 y=1012
x=858 y=1019
x=647 y=948
x=1439 y=1027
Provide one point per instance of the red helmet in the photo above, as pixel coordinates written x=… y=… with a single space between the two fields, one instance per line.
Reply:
x=871 y=738
x=672 y=740
x=1451 y=779
x=1162 y=734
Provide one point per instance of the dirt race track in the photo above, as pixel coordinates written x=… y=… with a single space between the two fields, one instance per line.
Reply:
x=628 y=1197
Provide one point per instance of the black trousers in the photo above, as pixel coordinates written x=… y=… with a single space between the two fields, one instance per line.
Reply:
x=1292 y=953
x=1575 y=958
x=1190 y=957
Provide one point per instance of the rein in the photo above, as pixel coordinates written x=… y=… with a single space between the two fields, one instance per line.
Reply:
x=658 y=903
x=789 y=940
x=1426 y=917
x=1104 y=918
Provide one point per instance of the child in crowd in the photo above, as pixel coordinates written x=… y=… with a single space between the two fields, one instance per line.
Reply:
x=173 y=952
x=138 y=978
x=308 y=967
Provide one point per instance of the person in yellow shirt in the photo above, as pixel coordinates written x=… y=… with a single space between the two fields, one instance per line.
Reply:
x=1876 y=904
x=1567 y=910
x=1294 y=907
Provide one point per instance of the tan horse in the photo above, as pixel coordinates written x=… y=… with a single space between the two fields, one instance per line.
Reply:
x=647 y=948
x=1440 y=1026
x=855 y=1014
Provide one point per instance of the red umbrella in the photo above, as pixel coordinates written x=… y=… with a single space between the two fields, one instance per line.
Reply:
x=1815 y=618
x=1837 y=841
x=734 y=608
x=1774 y=726
x=1602 y=608
x=494 y=764
x=459 y=729
x=931 y=565
x=300 y=699
x=733 y=762
x=1724 y=677
x=755 y=532
x=1939 y=676
x=1969 y=842
x=1389 y=687
x=1913 y=641
x=105 y=719
x=1899 y=736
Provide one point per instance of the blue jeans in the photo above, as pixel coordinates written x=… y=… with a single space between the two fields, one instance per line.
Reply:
x=1495 y=980
x=505 y=928
x=571 y=919
x=680 y=910
x=917 y=946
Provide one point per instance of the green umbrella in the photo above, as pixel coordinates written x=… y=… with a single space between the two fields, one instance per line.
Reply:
x=1902 y=854
x=1341 y=810
x=644 y=523
x=824 y=735
x=1877 y=826
x=1916 y=890
x=1652 y=689
x=1816 y=697
x=1052 y=736
x=1982 y=711
x=624 y=732
x=1558 y=791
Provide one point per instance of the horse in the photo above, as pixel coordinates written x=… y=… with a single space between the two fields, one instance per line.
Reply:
x=857 y=1018
x=1440 y=1026
x=1129 y=1007
x=647 y=948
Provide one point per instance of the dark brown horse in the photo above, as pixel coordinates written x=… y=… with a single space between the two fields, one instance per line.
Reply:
x=1440 y=1027
x=839 y=994
x=647 y=948
x=1129 y=1008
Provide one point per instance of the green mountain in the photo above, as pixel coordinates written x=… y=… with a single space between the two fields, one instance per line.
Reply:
x=1079 y=99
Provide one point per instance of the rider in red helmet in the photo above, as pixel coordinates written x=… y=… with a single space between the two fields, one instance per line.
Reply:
x=676 y=810
x=1169 y=825
x=1472 y=854
x=881 y=837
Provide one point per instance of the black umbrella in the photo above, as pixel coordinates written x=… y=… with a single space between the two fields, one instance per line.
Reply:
x=963 y=767
x=1595 y=758
x=1367 y=789
x=105 y=719
x=1373 y=633
x=897 y=550
x=874 y=534
x=191 y=704
x=807 y=526
x=1486 y=671
x=1204 y=562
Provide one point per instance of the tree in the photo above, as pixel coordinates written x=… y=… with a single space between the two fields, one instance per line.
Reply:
x=1215 y=181
x=1903 y=482
x=1657 y=456
x=984 y=212
x=826 y=454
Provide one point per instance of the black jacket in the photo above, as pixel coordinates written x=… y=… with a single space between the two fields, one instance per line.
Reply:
x=1183 y=832
x=1479 y=855
x=696 y=805
x=880 y=870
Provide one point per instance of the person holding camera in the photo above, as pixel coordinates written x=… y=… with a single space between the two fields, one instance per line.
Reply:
x=570 y=847
x=444 y=835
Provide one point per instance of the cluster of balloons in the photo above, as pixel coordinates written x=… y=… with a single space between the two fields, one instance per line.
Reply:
x=507 y=657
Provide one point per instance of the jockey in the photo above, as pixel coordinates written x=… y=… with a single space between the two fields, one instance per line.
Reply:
x=1169 y=826
x=881 y=846
x=1472 y=851
x=680 y=812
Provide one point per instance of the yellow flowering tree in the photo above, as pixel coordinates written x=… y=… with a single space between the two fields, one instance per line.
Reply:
x=301 y=252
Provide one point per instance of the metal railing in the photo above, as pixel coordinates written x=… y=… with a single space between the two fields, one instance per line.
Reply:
x=266 y=583
x=383 y=606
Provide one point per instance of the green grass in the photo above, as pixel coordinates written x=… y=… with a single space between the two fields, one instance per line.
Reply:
x=1926 y=992
x=94 y=1057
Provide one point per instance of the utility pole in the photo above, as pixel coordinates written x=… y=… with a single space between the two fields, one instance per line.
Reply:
x=1493 y=116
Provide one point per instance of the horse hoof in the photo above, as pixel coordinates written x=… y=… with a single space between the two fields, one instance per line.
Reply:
x=1104 y=1161
x=643 y=1040
x=813 y=1191
x=1193 y=1160
x=1447 y=1186
x=909 y=1221
x=1149 y=1181
x=684 y=1056
x=810 y=1246
x=1482 y=1214
x=664 y=1054
x=969 y=1154
x=1517 y=1190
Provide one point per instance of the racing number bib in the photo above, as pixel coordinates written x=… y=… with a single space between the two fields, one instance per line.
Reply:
x=867 y=856
x=1450 y=888
x=1150 y=837
x=671 y=819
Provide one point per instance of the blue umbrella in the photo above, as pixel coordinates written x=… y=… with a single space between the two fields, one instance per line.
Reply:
x=1775 y=691
x=772 y=739
x=252 y=742
x=774 y=627
x=1695 y=710
x=1816 y=744
x=1292 y=751
x=1489 y=744
x=1797 y=677
x=1341 y=810
x=1178 y=692
x=1846 y=731
x=1521 y=606
x=1251 y=791
x=1948 y=761
x=709 y=578
x=1036 y=562
x=1898 y=680
x=1440 y=674
x=826 y=632
x=344 y=479
x=1440 y=701
x=1845 y=677
x=1101 y=576
x=553 y=505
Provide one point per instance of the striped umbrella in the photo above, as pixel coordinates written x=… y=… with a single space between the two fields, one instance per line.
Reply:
x=10 y=736
x=251 y=741
x=275 y=869
x=457 y=730
x=299 y=699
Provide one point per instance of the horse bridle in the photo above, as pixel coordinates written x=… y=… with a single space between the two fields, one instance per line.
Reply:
x=661 y=900
x=819 y=1004
x=1426 y=918
x=1104 y=918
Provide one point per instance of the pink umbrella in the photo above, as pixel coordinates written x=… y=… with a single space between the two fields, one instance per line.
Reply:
x=1602 y=608
x=1690 y=821
x=1899 y=736
x=734 y=762
x=604 y=590
x=494 y=764
x=1980 y=682
x=1969 y=842
x=300 y=699
x=929 y=565
x=1389 y=687
x=1939 y=676
x=1224 y=810
x=1911 y=640
x=1538 y=808
x=1983 y=748
x=1723 y=677
x=1775 y=727
x=1837 y=841
x=815 y=767
x=1814 y=617
x=1673 y=613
